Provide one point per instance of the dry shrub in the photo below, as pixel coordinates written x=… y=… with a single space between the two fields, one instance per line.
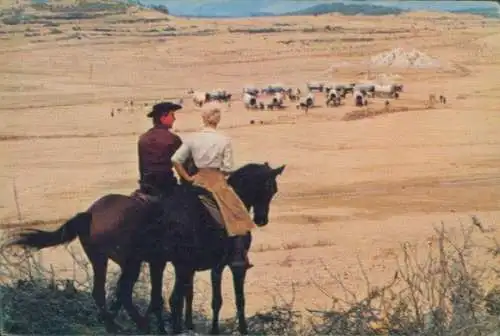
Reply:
x=445 y=291
x=34 y=300
x=367 y=112
x=280 y=319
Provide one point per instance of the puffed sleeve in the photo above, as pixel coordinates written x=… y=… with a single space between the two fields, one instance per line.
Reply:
x=227 y=157
x=181 y=154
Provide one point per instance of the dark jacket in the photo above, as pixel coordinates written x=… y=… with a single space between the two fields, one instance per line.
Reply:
x=155 y=149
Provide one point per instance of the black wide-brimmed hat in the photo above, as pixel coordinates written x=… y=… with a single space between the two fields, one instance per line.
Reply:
x=164 y=107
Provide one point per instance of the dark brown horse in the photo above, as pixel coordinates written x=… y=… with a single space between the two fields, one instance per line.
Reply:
x=106 y=231
x=127 y=231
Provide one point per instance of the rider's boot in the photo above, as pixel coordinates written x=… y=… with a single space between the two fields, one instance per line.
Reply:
x=240 y=255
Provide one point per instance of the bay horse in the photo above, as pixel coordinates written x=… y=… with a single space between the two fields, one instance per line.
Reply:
x=185 y=234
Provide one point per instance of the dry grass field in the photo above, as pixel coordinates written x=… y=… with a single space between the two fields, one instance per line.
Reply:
x=352 y=189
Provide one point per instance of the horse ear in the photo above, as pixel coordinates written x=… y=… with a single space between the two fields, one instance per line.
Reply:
x=279 y=170
x=266 y=164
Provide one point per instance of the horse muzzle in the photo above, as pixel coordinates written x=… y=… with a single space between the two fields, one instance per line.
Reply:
x=261 y=221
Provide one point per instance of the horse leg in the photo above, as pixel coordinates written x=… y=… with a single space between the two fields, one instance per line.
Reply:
x=116 y=305
x=189 y=304
x=239 y=274
x=99 y=266
x=216 y=275
x=156 y=269
x=127 y=280
x=182 y=278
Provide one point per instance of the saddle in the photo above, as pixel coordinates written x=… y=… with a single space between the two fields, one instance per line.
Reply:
x=209 y=203
x=149 y=194
x=204 y=195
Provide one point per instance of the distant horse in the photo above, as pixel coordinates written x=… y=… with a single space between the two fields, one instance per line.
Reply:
x=186 y=235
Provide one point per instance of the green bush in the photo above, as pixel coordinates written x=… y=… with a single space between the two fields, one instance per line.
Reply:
x=12 y=20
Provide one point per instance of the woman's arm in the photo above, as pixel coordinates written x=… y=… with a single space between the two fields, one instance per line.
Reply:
x=183 y=174
x=179 y=157
x=227 y=159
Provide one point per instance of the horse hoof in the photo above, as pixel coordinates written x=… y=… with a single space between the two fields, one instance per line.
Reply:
x=143 y=326
x=113 y=328
x=190 y=326
x=145 y=331
x=162 y=330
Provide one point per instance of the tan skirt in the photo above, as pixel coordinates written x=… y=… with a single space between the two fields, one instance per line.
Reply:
x=235 y=216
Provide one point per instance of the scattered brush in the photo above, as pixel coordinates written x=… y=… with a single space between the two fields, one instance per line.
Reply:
x=444 y=291
x=368 y=112
x=33 y=300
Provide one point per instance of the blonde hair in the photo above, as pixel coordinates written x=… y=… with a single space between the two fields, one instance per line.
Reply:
x=211 y=116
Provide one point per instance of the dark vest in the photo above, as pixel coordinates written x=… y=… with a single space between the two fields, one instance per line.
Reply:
x=156 y=148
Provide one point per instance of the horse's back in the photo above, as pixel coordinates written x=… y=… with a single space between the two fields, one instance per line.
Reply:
x=115 y=217
x=108 y=200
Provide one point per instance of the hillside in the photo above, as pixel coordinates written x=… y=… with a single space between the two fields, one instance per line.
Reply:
x=41 y=12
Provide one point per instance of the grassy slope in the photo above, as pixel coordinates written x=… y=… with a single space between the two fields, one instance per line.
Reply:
x=28 y=11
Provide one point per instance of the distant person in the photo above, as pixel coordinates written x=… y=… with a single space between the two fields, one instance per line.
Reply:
x=212 y=154
x=155 y=150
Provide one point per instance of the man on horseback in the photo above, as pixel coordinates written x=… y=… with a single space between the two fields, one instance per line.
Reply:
x=155 y=149
x=212 y=154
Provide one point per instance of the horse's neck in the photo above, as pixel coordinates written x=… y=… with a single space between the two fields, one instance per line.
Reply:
x=241 y=195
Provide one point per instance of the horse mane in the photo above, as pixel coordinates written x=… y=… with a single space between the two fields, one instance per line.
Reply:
x=250 y=169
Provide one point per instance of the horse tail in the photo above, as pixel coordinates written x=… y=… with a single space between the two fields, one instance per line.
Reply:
x=66 y=233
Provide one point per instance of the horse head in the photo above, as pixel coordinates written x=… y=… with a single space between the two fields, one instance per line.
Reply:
x=256 y=185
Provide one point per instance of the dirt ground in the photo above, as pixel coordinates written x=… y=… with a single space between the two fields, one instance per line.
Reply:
x=351 y=189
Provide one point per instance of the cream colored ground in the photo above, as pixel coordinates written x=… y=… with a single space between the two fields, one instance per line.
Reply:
x=350 y=188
